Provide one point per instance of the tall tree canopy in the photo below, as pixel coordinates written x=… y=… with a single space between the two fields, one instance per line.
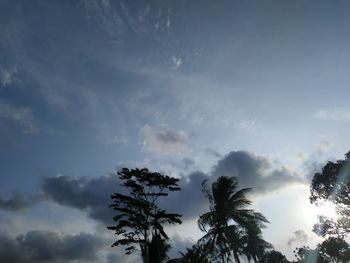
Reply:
x=333 y=184
x=139 y=219
x=195 y=254
x=273 y=256
x=331 y=250
x=229 y=221
x=335 y=249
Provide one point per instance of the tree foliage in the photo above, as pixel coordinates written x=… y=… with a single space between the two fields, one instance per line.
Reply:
x=333 y=184
x=335 y=249
x=229 y=226
x=195 y=254
x=253 y=244
x=273 y=256
x=139 y=219
x=305 y=255
x=331 y=250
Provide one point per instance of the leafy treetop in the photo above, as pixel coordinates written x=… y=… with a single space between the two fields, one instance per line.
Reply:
x=139 y=219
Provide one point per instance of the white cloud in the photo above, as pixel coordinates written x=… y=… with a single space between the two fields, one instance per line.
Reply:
x=247 y=125
x=117 y=140
x=177 y=61
x=335 y=114
x=7 y=76
x=164 y=141
x=20 y=115
x=324 y=146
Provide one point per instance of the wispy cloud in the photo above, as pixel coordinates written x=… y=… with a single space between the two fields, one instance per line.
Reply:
x=23 y=116
x=324 y=146
x=212 y=152
x=117 y=140
x=247 y=125
x=336 y=114
x=164 y=141
x=7 y=75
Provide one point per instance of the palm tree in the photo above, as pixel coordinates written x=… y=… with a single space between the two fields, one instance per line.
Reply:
x=274 y=256
x=196 y=254
x=254 y=246
x=228 y=219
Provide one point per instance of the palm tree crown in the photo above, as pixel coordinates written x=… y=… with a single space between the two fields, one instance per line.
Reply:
x=228 y=221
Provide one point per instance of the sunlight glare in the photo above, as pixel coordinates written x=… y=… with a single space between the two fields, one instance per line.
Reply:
x=325 y=209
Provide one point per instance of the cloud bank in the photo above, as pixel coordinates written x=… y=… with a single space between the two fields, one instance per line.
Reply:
x=89 y=195
x=254 y=171
x=47 y=246
x=92 y=195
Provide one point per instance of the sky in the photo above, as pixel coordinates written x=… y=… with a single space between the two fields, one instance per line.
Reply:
x=193 y=89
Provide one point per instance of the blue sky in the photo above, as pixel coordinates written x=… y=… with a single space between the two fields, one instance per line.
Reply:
x=255 y=89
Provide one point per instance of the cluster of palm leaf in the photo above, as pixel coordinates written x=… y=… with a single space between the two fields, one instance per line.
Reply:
x=195 y=254
x=231 y=230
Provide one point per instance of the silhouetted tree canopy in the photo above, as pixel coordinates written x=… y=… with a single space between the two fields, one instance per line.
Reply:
x=331 y=250
x=305 y=255
x=195 y=254
x=335 y=249
x=273 y=256
x=231 y=229
x=333 y=184
x=139 y=220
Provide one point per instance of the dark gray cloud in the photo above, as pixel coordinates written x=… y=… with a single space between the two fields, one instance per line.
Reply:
x=190 y=201
x=92 y=196
x=46 y=246
x=254 y=171
x=298 y=236
x=15 y=203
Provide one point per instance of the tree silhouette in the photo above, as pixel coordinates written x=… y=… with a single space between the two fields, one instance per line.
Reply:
x=158 y=248
x=139 y=220
x=228 y=219
x=254 y=246
x=273 y=256
x=333 y=184
x=305 y=254
x=196 y=254
x=335 y=249
x=331 y=250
